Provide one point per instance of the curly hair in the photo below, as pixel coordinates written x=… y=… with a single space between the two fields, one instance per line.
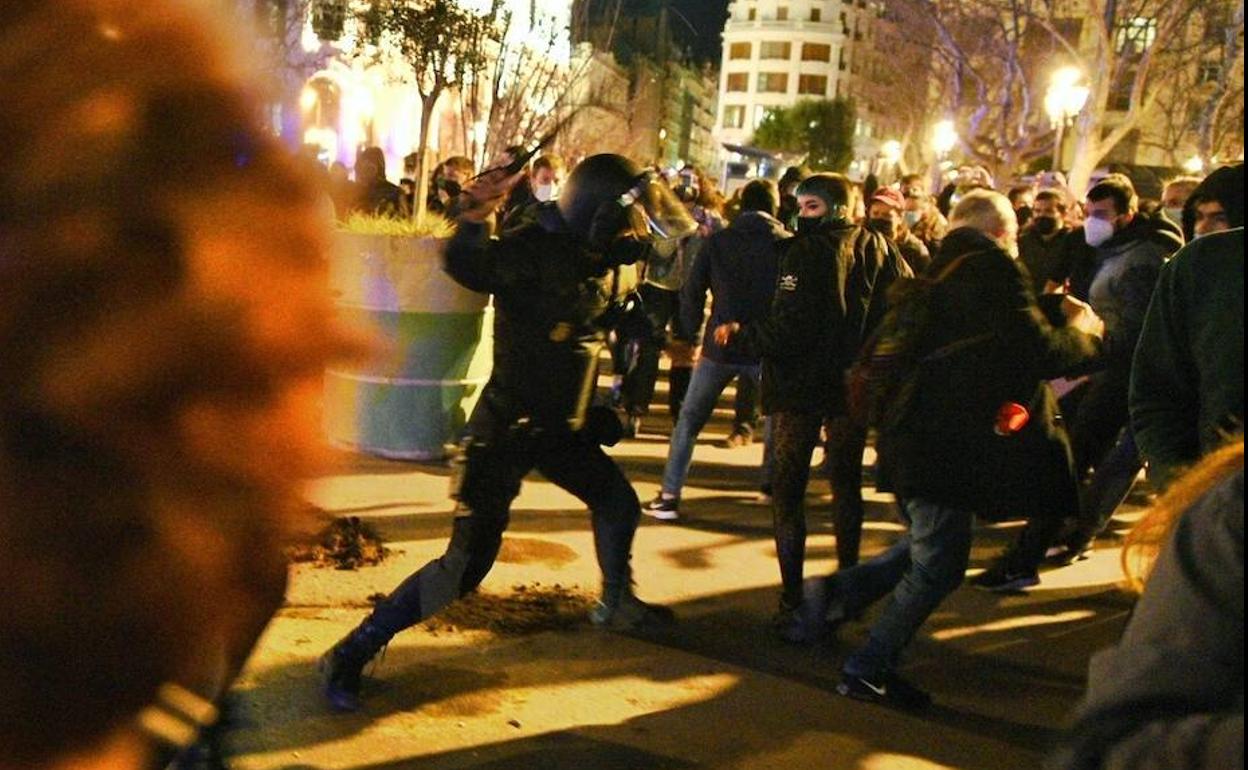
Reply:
x=163 y=326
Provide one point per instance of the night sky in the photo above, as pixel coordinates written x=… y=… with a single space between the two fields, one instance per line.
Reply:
x=707 y=17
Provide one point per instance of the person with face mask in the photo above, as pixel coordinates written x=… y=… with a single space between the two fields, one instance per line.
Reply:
x=547 y=171
x=1174 y=196
x=921 y=215
x=885 y=216
x=662 y=279
x=1128 y=250
x=829 y=296
x=559 y=283
x=1040 y=242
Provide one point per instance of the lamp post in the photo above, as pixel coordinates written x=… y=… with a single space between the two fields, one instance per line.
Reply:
x=1063 y=101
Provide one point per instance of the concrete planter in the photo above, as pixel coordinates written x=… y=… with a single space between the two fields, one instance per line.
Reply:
x=411 y=402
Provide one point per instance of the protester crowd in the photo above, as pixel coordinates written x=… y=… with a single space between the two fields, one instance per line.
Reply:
x=1011 y=355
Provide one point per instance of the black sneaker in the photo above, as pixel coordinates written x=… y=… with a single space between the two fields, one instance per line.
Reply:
x=886 y=689
x=663 y=508
x=1001 y=580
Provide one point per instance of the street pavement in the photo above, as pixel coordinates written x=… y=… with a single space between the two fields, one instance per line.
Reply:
x=716 y=690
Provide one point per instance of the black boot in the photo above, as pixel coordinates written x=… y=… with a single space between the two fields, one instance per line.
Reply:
x=343 y=666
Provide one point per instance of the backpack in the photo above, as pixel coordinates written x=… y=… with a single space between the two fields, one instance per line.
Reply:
x=884 y=378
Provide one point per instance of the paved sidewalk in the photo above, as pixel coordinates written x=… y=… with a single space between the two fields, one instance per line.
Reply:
x=717 y=690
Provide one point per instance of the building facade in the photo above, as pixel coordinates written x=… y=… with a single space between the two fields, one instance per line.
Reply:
x=778 y=52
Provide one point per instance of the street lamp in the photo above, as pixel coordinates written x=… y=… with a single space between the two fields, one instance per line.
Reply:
x=944 y=137
x=1194 y=165
x=1063 y=101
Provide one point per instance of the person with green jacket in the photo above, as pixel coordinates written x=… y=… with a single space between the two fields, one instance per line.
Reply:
x=1187 y=376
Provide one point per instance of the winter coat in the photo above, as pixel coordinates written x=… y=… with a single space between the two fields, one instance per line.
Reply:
x=738 y=266
x=946 y=449
x=1187 y=376
x=829 y=295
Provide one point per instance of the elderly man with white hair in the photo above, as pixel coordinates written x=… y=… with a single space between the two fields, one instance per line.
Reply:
x=977 y=437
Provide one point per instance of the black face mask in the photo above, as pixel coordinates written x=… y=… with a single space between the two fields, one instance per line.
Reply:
x=804 y=225
x=1023 y=214
x=1045 y=225
x=882 y=226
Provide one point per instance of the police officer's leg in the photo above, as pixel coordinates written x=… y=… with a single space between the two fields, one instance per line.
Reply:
x=579 y=466
x=487 y=480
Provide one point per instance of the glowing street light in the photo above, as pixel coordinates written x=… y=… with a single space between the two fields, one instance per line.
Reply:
x=890 y=151
x=944 y=137
x=1063 y=101
x=1194 y=165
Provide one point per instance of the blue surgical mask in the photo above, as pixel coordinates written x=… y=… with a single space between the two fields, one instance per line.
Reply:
x=1174 y=215
x=912 y=218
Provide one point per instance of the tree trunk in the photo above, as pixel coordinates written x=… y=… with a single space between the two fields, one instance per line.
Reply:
x=427 y=103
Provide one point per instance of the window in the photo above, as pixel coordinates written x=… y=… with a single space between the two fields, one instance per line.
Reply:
x=782 y=13
x=816 y=14
x=812 y=84
x=734 y=115
x=1135 y=36
x=1209 y=72
x=751 y=14
x=772 y=49
x=816 y=52
x=737 y=81
x=773 y=82
x=739 y=51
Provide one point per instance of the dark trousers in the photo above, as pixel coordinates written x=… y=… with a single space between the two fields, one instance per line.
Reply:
x=490 y=480
x=745 y=406
x=642 y=363
x=792 y=440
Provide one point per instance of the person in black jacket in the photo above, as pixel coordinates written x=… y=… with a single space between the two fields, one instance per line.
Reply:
x=978 y=436
x=830 y=291
x=738 y=265
x=558 y=283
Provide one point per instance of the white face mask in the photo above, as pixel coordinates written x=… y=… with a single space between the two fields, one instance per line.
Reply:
x=1097 y=231
x=546 y=192
x=1174 y=215
x=912 y=218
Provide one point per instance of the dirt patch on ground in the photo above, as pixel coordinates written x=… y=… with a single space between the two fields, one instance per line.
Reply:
x=344 y=543
x=526 y=609
x=524 y=550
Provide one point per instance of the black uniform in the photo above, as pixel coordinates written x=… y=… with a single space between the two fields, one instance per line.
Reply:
x=555 y=298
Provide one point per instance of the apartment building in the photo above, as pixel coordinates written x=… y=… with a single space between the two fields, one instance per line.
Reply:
x=777 y=52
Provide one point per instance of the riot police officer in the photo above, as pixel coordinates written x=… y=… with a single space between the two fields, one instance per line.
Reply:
x=560 y=276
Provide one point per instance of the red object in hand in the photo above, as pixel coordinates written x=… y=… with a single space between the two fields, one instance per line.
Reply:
x=1011 y=418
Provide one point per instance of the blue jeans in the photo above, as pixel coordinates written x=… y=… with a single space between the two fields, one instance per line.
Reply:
x=920 y=570
x=708 y=381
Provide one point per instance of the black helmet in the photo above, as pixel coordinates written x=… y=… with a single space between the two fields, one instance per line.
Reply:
x=594 y=181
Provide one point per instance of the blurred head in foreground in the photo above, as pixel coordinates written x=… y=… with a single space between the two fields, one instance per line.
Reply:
x=163 y=327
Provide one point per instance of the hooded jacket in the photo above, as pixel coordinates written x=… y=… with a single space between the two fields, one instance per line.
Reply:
x=828 y=297
x=738 y=266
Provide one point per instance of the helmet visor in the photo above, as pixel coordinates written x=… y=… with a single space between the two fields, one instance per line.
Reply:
x=662 y=216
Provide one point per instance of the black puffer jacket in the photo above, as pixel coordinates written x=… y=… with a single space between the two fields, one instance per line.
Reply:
x=829 y=296
x=945 y=449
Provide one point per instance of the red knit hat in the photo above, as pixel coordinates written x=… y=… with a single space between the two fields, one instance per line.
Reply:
x=890 y=197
